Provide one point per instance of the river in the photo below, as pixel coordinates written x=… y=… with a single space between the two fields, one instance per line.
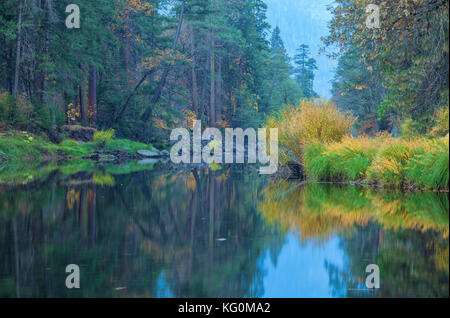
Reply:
x=222 y=232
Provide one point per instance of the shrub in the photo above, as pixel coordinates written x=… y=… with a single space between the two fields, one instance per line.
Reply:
x=345 y=160
x=310 y=122
x=389 y=161
x=316 y=161
x=389 y=165
x=103 y=137
x=441 y=120
x=407 y=128
x=430 y=168
x=8 y=108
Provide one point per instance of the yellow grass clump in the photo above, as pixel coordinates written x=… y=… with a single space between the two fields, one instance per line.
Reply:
x=312 y=121
x=417 y=161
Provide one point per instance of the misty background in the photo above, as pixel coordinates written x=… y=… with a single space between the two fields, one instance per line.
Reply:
x=305 y=22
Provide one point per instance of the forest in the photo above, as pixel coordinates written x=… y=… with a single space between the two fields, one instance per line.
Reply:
x=135 y=70
x=143 y=67
x=91 y=91
x=395 y=75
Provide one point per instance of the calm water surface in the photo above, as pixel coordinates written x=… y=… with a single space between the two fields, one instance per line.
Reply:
x=225 y=233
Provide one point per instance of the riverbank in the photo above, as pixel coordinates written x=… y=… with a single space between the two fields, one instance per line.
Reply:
x=416 y=163
x=23 y=146
x=26 y=158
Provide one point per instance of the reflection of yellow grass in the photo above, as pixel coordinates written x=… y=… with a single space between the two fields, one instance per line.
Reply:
x=318 y=212
x=441 y=258
x=394 y=215
x=191 y=184
x=72 y=197
x=104 y=179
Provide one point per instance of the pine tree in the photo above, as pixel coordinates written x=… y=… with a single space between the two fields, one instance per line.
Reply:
x=304 y=71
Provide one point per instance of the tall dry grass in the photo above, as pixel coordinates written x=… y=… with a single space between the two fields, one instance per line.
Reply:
x=311 y=121
x=419 y=161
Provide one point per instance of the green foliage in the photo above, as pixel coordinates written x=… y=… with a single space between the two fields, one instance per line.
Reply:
x=304 y=71
x=391 y=162
x=431 y=168
x=389 y=166
x=406 y=129
x=7 y=107
x=441 y=122
x=310 y=122
x=348 y=160
x=22 y=146
x=75 y=149
x=316 y=163
x=396 y=74
x=103 y=137
x=18 y=146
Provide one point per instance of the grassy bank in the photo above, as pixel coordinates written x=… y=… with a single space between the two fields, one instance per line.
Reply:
x=391 y=162
x=26 y=158
x=22 y=146
x=316 y=134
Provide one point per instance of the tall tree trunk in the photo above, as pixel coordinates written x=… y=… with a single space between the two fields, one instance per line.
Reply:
x=123 y=107
x=127 y=50
x=219 y=91
x=194 y=73
x=162 y=82
x=92 y=95
x=18 y=55
x=84 y=107
x=212 y=91
x=39 y=77
x=203 y=102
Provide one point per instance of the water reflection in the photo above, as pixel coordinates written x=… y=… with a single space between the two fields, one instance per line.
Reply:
x=226 y=233
x=406 y=235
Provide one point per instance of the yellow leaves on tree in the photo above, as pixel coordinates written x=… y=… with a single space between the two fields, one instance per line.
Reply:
x=163 y=58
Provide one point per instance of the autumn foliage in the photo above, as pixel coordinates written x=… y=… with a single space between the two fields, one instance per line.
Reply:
x=309 y=122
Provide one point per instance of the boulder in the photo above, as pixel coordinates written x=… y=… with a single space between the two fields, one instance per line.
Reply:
x=165 y=153
x=78 y=132
x=149 y=154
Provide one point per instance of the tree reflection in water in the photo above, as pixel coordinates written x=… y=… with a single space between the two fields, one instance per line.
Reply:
x=405 y=234
x=209 y=233
x=194 y=234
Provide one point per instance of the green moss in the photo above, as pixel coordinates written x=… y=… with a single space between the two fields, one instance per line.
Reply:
x=22 y=146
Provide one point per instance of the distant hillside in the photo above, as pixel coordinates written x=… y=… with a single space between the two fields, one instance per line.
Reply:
x=305 y=21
